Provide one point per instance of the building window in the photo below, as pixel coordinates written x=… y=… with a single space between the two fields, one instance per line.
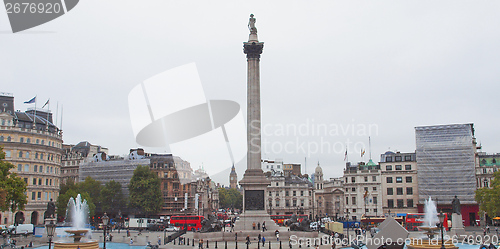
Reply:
x=353 y=179
x=409 y=179
x=270 y=193
x=34 y=181
x=353 y=189
x=1 y=138
x=39 y=181
x=7 y=153
x=409 y=190
x=390 y=203
x=33 y=195
x=287 y=203
x=407 y=158
x=388 y=159
x=374 y=178
x=294 y=193
x=366 y=189
x=354 y=200
x=400 y=203
x=347 y=200
x=409 y=203
x=389 y=191
x=302 y=193
x=26 y=168
x=41 y=169
x=374 y=188
x=43 y=142
x=47 y=182
x=37 y=141
x=366 y=178
x=389 y=179
x=302 y=202
x=21 y=140
x=277 y=184
x=277 y=203
x=28 y=140
x=277 y=193
x=399 y=167
x=286 y=193
x=375 y=201
x=39 y=196
x=9 y=139
x=407 y=167
x=294 y=202
x=20 y=154
x=399 y=191
x=19 y=167
x=398 y=158
x=388 y=167
x=399 y=179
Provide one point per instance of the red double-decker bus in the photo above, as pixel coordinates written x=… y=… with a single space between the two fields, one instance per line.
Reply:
x=192 y=223
x=413 y=221
x=281 y=218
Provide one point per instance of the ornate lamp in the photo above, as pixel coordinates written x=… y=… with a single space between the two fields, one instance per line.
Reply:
x=105 y=220
x=50 y=227
x=441 y=221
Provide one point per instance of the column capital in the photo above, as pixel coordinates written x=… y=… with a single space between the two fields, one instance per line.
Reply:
x=253 y=49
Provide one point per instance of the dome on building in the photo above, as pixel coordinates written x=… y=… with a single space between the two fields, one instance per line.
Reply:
x=371 y=163
x=318 y=170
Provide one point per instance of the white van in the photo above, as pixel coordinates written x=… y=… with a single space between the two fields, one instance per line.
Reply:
x=21 y=229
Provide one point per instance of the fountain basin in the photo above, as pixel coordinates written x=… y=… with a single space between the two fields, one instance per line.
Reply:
x=76 y=245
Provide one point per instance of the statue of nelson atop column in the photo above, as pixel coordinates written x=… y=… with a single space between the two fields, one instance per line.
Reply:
x=251 y=24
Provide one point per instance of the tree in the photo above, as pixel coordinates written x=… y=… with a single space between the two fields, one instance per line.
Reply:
x=12 y=188
x=230 y=198
x=145 y=192
x=489 y=198
x=112 y=198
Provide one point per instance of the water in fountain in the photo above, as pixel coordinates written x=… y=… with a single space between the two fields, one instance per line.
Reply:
x=77 y=212
x=430 y=217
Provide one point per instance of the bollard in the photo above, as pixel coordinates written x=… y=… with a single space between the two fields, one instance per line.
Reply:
x=269 y=244
x=174 y=242
x=321 y=241
x=280 y=245
x=188 y=241
x=247 y=244
x=193 y=242
x=216 y=244
x=180 y=239
x=236 y=243
x=258 y=244
x=207 y=244
x=225 y=244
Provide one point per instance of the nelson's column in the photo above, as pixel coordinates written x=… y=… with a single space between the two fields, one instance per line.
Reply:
x=254 y=182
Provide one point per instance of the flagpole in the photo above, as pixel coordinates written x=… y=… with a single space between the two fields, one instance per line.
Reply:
x=62 y=106
x=57 y=113
x=370 y=146
x=34 y=116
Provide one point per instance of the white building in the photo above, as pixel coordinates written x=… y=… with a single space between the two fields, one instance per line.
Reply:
x=362 y=185
x=275 y=167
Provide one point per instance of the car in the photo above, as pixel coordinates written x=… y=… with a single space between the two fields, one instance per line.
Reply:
x=172 y=229
x=314 y=226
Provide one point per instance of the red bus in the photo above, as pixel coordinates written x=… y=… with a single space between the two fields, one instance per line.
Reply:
x=413 y=221
x=281 y=218
x=192 y=223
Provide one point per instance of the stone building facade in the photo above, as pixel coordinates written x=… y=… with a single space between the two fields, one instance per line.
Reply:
x=33 y=143
x=399 y=182
x=289 y=195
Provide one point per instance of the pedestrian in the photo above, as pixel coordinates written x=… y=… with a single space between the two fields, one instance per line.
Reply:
x=263 y=241
x=235 y=236
x=248 y=239
x=258 y=226
x=263 y=226
x=278 y=237
x=159 y=240
x=487 y=228
x=200 y=243
x=128 y=233
x=110 y=237
x=253 y=225
x=131 y=241
x=259 y=237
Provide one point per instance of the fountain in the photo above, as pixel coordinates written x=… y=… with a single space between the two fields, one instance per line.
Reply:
x=430 y=228
x=77 y=213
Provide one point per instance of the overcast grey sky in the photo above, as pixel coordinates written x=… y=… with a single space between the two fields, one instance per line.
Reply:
x=388 y=65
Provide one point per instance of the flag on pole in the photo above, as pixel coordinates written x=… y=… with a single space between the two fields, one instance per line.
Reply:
x=46 y=103
x=362 y=152
x=31 y=101
x=366 y=194
x=345 y=156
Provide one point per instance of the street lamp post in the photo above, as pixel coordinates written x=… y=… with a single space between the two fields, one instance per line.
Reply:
x=50 y=226
x=441 y=221
x=105 y=220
